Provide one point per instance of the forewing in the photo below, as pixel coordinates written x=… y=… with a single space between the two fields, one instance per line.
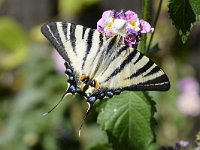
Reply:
x=78 y=45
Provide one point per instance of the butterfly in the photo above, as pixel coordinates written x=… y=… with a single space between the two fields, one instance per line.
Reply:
x=99 y=67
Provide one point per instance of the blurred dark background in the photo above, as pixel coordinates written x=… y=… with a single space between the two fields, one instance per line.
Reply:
x=32 y=78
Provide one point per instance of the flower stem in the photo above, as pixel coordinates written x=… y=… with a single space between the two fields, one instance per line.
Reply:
x=145 y=16
x=154 y=24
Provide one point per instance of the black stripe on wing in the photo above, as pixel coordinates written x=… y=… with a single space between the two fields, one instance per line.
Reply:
x=72 y=36
x=110 y=45
x=138 y=72
x=160 y=83
x=109 y=51
x=50 y=31
x=139 y=58
x=121 y=67
x=117 y=54
x=88 y=46
x=153 y=71
x=101 y=42
x=83 y=33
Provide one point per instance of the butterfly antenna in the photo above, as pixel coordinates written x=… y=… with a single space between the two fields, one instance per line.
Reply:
x=55 y=105
x=88 y=111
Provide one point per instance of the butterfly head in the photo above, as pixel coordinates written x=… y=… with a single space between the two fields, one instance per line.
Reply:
x=90 y=82
x=89 y=85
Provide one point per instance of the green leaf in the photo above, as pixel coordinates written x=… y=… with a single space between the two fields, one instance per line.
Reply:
x=101 y=147
x=182 y=16
x=128 y=120
x=195 y=6
x=95 y=143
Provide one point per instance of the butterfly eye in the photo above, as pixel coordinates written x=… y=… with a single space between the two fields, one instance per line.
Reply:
x=93 y=83
x=84 y=79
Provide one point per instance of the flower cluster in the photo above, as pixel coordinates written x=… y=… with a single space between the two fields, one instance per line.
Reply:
x=126 y=24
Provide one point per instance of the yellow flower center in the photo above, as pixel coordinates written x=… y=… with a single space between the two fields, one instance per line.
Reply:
x=134 y=23
x=112 y=19
x=109 y=25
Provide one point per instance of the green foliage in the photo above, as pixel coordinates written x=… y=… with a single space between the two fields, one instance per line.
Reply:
x=102 y=141
x=72 y=6
x=128 y=120
x=12 y=35
x=183 y=17
x=25 y=126
x=13 y=43
x=195 y=6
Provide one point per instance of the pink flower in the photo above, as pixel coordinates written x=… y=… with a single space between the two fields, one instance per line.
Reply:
x=130 y=15
x=119 y=15
x=145 y=27
x=100 y=25
x=131 y=37
x=104 y=20
x=108 y=14
x=188 y=84
x=130 y=40
x=182 y=143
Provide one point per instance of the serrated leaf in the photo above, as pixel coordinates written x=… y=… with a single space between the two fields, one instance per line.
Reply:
x=128 y=120
x=195 y=6
x=182 y=16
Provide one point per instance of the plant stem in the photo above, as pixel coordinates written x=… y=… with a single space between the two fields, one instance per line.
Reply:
x=145 y=16
x=154 y=24
x=146 y=9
